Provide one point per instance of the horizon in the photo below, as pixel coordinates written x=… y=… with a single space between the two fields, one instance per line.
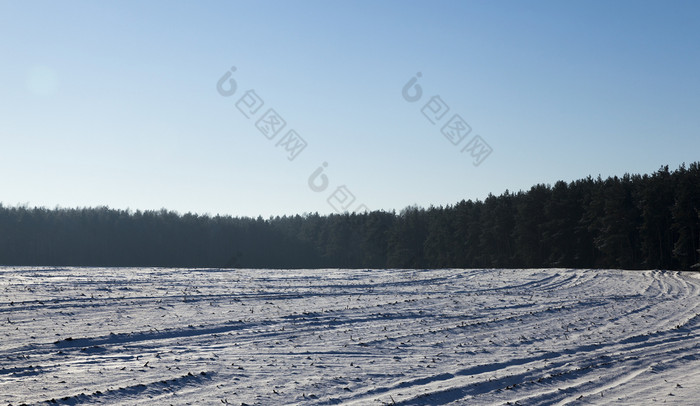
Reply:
x=132 y=210
x=129 y=106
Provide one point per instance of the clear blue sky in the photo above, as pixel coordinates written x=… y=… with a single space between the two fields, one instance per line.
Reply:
x=115 y=103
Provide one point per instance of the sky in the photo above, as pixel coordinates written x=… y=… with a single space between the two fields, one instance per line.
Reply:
x=267 y=108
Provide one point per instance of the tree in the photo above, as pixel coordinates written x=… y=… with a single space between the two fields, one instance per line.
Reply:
x=655 y=200
x=406 y=239
x=629 y=222
x=498 y=221
x=684 y=215
x=529 y=228
x=613 y=218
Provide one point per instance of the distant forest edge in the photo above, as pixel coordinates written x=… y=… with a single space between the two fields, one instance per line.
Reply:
x=633 y=222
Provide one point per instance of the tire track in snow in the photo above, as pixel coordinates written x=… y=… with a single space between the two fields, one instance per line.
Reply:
x=338 y=336
x=645 y=349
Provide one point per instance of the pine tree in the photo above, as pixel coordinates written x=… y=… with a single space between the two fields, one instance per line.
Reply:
x=655 y=200
x=529 y=228
x=684 y=213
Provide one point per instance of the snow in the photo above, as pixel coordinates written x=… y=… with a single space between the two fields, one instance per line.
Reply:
x=358 y=337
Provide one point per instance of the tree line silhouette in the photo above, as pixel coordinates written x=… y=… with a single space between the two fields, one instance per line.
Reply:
x=632 y=222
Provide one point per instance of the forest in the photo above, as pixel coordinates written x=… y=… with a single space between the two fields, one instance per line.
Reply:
x=649 y=221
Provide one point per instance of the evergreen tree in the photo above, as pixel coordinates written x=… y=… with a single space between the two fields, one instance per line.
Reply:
x=629 y=222
x=684 y=214
x=655 y=200
x=529 y=229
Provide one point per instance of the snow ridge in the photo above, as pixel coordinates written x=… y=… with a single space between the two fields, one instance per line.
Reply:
x=138 y=336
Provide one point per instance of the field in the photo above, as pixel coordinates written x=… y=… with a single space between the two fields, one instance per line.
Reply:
x=363 y=337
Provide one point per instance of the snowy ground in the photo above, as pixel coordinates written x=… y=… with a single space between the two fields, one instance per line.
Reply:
x=364 y=337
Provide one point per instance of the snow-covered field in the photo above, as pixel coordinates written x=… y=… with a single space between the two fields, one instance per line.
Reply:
x=364 y=337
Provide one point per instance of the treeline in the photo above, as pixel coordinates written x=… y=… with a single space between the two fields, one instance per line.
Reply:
x=633 y=222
